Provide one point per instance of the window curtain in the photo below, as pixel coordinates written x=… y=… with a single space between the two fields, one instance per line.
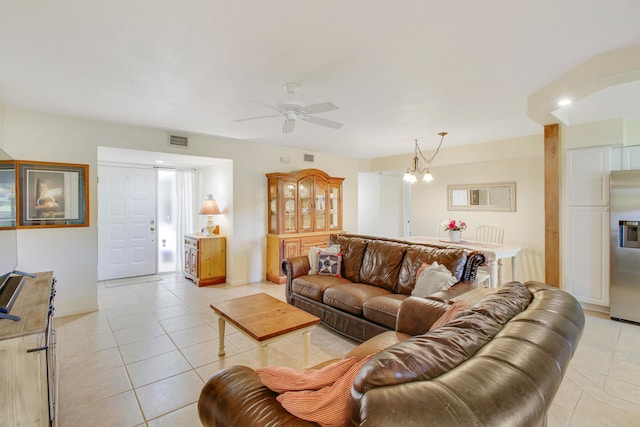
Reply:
x=184 y=212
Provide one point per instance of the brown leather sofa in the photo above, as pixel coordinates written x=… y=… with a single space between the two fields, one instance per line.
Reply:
x=499 y=363
x=377 y=277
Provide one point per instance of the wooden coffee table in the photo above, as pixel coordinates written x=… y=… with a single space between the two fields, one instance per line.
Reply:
x=264 y=319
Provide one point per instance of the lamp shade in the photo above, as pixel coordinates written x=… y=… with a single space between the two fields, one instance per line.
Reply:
x=209 y=207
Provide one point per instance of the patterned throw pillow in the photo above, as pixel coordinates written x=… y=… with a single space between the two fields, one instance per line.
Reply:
x=329 y=264
x=313 y=256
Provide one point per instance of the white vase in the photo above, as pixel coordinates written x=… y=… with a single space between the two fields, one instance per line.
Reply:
x=454 y=235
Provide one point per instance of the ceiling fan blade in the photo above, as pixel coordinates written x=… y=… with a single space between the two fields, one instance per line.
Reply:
x=288 y=125
x=273 y=107
x=258 y=117
x=320 y=107
x=322 y=122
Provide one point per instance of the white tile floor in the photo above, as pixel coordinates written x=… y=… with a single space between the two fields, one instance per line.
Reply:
x=142 y=359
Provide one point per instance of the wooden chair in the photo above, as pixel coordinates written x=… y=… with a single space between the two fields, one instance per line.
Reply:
x=488 y=234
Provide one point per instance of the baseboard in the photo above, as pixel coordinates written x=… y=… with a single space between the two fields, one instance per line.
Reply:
x=74 y=311
x=595 y=307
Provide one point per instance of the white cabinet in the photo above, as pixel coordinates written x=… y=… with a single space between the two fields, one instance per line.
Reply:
x=587 y=254
x=588 y=176
x=631 y=157
x=586 y=249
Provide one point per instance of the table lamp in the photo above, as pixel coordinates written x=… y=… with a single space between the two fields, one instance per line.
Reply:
x=210 y=208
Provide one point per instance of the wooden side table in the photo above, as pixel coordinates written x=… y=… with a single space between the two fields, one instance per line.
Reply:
x=205 y=259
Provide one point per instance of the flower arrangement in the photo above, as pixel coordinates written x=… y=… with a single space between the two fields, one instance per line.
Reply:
x=455 y=225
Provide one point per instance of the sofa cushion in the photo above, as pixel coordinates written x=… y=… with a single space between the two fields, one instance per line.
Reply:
x=453 y=259
x=383 y=309
x=313 y=287
x=351 y=297
x=352 y=249
x=376 y=344
x=431 y=279
x=381 y=264
x=427 y=356
x=452 y=312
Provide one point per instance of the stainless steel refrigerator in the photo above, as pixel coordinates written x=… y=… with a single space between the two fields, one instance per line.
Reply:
x=624 y=292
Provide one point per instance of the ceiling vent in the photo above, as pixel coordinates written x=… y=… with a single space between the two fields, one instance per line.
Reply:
x=308 y=158
x=178 y=141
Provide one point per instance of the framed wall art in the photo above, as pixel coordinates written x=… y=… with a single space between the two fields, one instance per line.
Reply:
x=52 y=194
x=7 y=194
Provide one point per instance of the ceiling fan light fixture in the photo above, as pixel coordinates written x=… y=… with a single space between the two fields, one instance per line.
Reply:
x=293 y=109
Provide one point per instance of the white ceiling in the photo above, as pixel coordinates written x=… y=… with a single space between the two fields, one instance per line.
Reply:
x=397 y=70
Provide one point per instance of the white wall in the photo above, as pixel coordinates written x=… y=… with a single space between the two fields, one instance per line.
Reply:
x=72 y=252
x=218 y=181
x=380 y=204
x=369 y=193
x=1 y=125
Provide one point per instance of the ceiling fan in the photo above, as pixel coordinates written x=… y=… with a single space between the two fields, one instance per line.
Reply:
x=293 y=110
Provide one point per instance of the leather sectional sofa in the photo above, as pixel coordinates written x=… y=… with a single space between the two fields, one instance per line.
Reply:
x=499 y=363
x=377 y=278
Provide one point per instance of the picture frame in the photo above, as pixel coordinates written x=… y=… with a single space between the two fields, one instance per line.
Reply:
x=7 y=194
x=489 y=197
x=52 y=194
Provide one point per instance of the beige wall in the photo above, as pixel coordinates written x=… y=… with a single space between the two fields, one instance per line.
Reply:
x=520 y=160
x=72 y=252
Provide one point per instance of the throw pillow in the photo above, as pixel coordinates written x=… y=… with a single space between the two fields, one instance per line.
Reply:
x=282 y=378
x=329 y=264
x=431 y=279
x=313 y=256
x=452 y=312
x=327 y=406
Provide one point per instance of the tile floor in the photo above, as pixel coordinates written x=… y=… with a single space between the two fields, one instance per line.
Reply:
x=142 y=359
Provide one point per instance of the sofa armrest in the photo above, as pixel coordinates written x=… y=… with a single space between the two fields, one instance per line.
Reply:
x=416 y=315
x=453 y=292
x=235 y=396
x=474 y=260
x=294 y=267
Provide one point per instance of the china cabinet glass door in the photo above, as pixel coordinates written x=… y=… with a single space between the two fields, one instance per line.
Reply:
x=320 y=205
x=289 y=191
x=273 y=206
x=334 y=207
x=305 y=203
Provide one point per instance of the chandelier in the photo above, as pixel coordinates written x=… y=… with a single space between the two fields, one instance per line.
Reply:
x=417 y=168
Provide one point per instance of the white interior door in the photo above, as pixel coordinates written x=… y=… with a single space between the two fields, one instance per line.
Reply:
x=126 y=222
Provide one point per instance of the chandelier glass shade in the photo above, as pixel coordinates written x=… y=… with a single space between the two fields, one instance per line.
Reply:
x=417 y=167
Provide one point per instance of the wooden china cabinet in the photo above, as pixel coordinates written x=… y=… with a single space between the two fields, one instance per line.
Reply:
x=305 y=208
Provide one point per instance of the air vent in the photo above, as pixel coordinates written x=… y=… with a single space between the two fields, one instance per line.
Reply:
x=308 y=158
x=178 y=141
